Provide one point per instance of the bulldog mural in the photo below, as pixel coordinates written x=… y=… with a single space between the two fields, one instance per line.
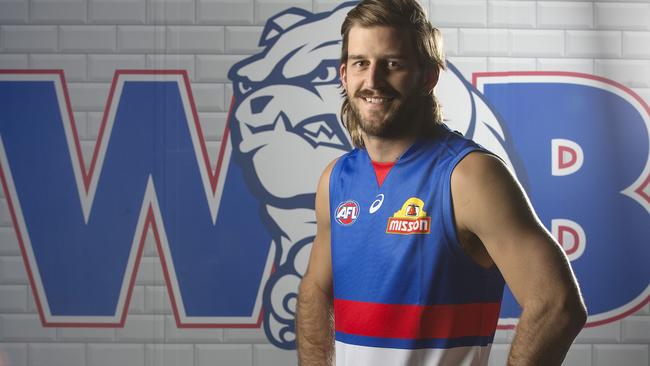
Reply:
x=286 y=129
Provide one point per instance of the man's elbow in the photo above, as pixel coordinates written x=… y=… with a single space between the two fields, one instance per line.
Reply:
x=565 y=309
x=309 y=290
x=579 y=314
x=573 y=313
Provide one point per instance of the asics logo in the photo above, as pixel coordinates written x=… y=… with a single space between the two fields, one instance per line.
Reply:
x=376 y=204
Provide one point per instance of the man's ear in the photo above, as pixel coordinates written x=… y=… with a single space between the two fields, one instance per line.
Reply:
x=431 y=80
x=342 y=74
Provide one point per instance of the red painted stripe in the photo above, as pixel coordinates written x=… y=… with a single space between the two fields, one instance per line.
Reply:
x=415 y=321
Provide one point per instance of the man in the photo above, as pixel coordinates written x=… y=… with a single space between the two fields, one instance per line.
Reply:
x=418 y=228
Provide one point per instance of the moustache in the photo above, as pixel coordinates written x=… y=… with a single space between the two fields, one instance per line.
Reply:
x=383 y=93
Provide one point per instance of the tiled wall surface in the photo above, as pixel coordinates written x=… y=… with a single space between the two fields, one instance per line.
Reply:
x=90 y=39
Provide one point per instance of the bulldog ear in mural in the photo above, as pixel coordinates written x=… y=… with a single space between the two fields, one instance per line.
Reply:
x=280 y=23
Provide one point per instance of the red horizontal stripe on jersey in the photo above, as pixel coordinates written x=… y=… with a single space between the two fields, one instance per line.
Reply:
x=415 y=321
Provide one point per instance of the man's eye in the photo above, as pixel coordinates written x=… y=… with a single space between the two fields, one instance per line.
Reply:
x=393 y=64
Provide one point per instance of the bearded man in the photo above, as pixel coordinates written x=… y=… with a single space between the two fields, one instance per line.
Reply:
x=419 y=228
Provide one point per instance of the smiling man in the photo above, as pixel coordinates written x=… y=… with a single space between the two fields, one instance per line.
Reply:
x=419 y=228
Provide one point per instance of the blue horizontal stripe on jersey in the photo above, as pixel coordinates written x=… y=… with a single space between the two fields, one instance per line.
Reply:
x=413 y=343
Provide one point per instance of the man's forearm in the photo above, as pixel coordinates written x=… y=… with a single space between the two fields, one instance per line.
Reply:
x=314 y=326
x=545 y=333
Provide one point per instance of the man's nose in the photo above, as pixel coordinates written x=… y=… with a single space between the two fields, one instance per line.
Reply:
x=375 y=76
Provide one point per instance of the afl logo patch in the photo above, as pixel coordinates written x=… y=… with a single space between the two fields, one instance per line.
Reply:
x=347 y=212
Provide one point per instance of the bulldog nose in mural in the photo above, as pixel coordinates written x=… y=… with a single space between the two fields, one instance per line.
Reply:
x=259 y=103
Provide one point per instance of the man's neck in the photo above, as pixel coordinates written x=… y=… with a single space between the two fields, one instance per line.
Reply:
x=384 y=150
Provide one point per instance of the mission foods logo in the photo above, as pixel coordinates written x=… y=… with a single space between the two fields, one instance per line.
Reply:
x=410 y=219
x=347 y=213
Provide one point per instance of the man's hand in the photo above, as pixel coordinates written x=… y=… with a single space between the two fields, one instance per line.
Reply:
x=314 y=318
x=489 y=203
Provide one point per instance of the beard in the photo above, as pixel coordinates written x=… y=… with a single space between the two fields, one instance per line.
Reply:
x=398 y=120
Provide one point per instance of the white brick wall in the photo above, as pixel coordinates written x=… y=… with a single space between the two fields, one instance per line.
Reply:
x=29 y=38
x=49 y=354
x=238 y=12
x=169 y=354
x=102 y=67
x=58 y=11
x=459 y=13
x=511 y=14
x=141 y=38
x=170 y=11
x=564 y=15
x=583 y=65
x=195 y=39
x=9 y=61
x=265 y=9
x=636 y=45
x=115 y=354
x=14 y=11
x=87 y=38
x=581 y=43
x=5 y=218
x=13 y=299
x=483 y=42
x=90 y=39
x=175 y=62
x=242 y=40
x=622 y=16
x=117 y=11
x=74 y=66
x=222 y=355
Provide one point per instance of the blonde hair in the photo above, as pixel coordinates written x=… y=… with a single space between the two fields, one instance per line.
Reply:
x=427 y=41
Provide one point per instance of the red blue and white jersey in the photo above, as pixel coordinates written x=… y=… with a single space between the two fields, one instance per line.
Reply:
x=405 y=293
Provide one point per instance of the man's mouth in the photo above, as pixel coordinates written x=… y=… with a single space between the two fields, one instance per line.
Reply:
x=377 y=100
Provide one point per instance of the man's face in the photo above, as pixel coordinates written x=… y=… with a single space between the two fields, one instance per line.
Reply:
x=382 y=79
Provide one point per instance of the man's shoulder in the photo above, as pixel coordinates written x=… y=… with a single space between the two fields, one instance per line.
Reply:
x=478 y=168
x=451 y=145
x=348 y=158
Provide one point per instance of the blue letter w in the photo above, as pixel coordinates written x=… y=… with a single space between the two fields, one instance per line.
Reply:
x=82 y=233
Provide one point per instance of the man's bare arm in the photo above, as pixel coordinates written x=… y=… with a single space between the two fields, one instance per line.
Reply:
x=314 y=317
x=489 y=202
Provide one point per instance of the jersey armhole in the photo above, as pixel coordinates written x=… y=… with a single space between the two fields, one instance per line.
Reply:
x=333 y=174
x=448 y=218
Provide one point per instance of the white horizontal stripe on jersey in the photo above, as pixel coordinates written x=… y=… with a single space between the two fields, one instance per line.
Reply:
x=353 y=355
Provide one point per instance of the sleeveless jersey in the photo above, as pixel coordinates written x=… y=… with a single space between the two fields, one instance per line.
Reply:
x=405 y=293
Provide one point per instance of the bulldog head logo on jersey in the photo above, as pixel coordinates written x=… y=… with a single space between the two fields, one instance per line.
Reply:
x=285 y=130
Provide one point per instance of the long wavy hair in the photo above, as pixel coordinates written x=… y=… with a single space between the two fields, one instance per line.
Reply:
x=427 y=41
